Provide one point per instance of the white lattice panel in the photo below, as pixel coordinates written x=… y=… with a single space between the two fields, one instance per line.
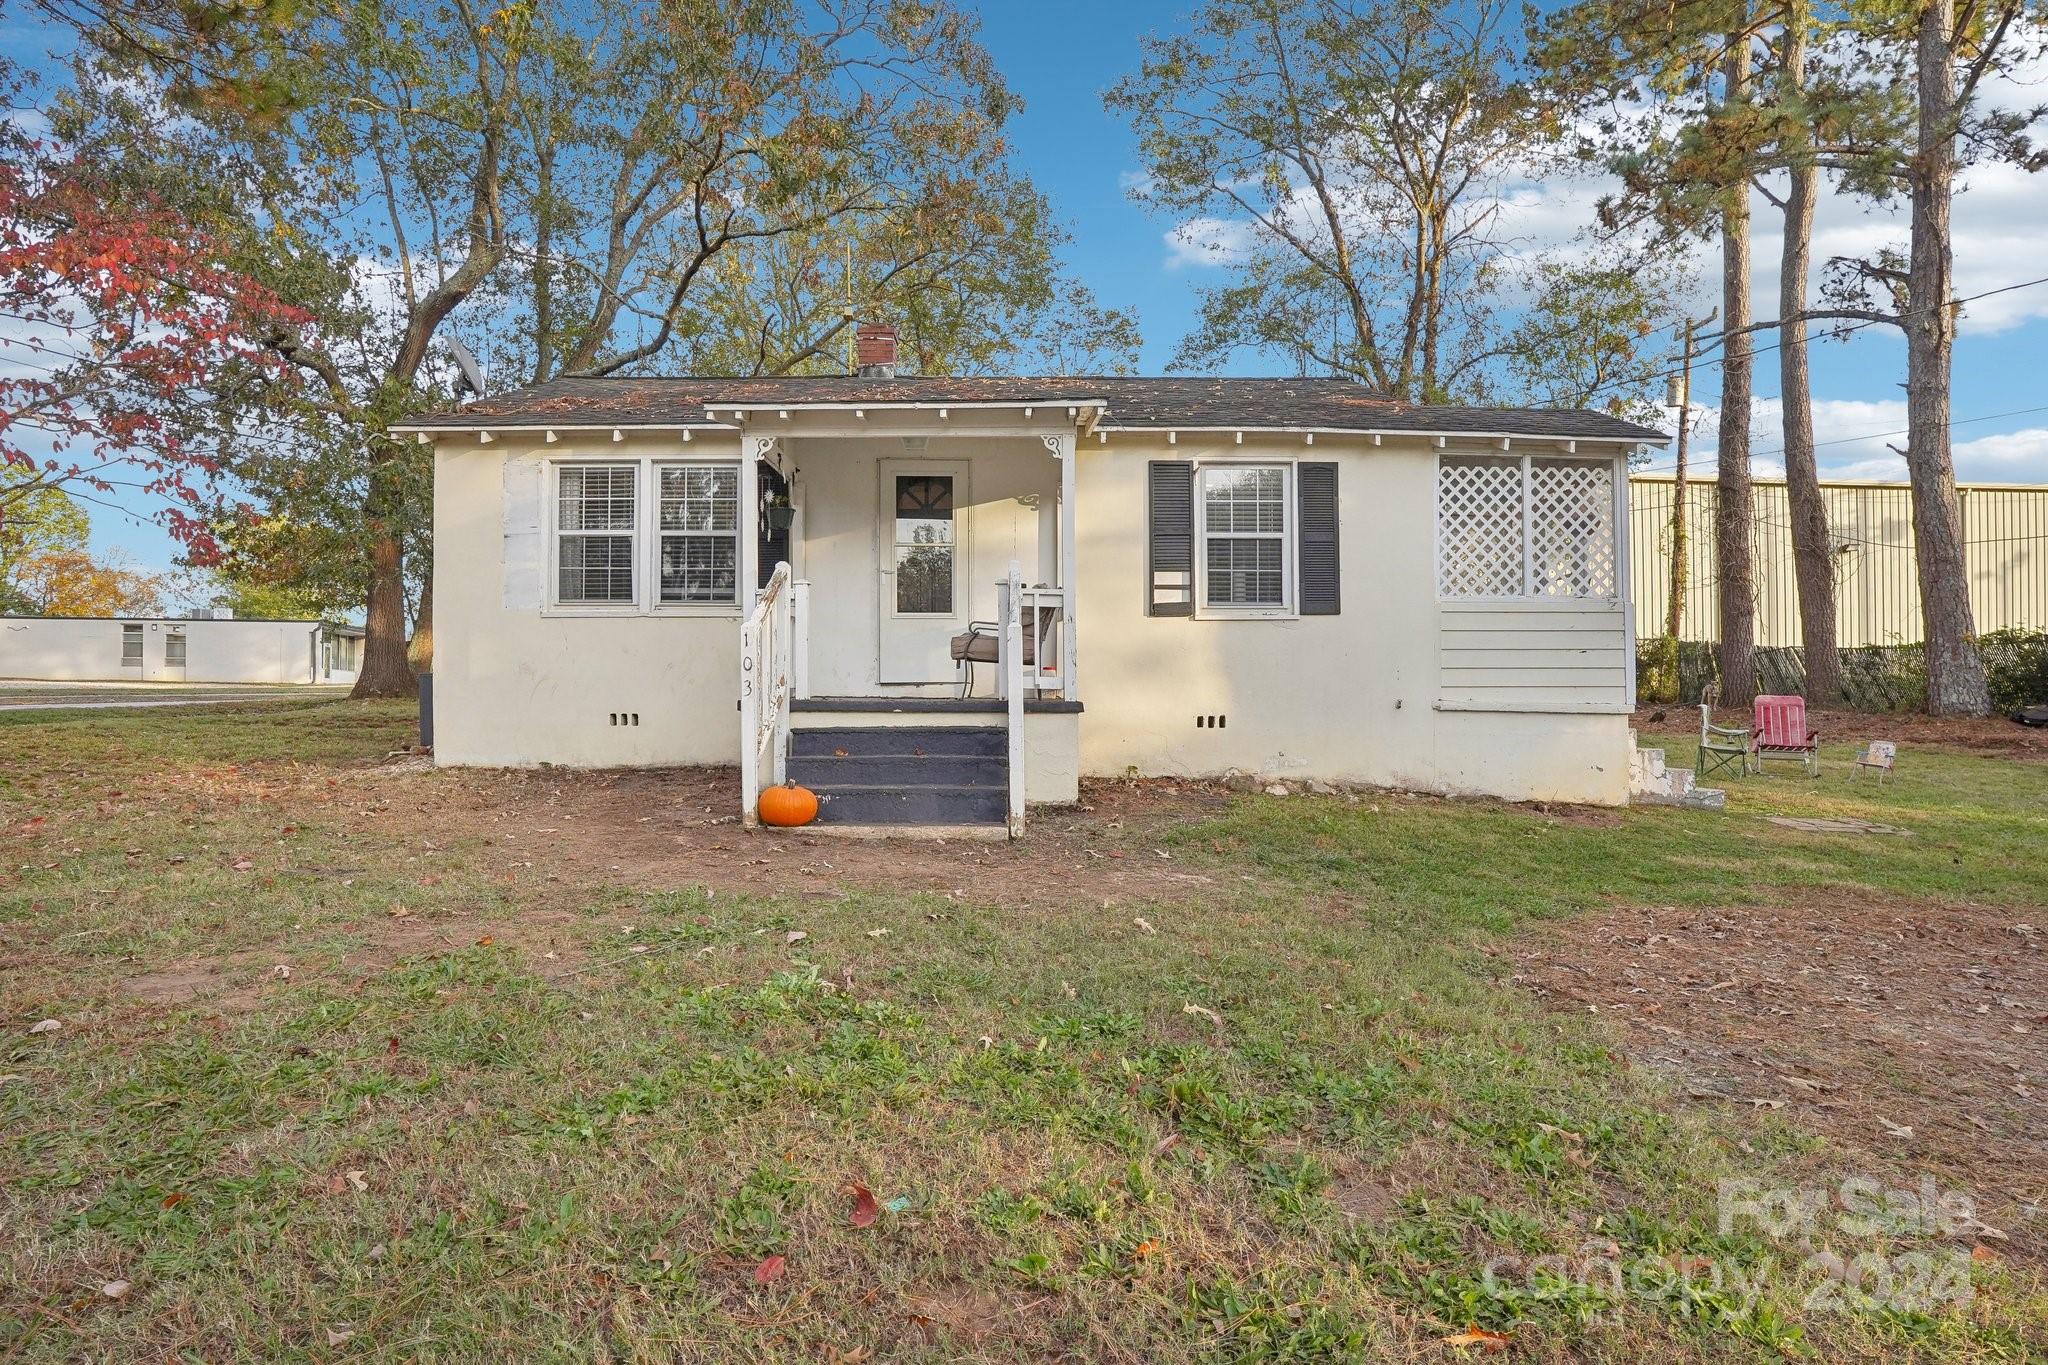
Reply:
x=1479 y=528
x=1571 y=528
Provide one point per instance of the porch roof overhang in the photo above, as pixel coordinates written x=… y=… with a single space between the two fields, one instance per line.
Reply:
x=1100 y=406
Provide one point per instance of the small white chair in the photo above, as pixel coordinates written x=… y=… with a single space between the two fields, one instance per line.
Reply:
x=1877 y=756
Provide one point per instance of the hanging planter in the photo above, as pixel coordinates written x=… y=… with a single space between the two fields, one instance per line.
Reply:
x=781 y=516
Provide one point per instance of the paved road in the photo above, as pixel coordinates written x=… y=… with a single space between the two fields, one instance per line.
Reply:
x=47 y=696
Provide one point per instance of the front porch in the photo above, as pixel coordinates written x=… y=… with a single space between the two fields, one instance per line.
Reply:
x=910 y=653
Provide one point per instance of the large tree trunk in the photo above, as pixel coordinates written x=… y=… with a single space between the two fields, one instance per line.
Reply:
x=420 y=653
x=385 y=672
x=1734 y=511
x=1955 y=671
x=1812 y=548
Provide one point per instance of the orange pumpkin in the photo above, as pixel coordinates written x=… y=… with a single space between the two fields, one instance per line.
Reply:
x=788 y=805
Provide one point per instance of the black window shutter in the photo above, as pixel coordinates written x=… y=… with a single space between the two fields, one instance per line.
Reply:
x=1170 y=567
x=774 y=550
x=774 y=543
x=1316 y=491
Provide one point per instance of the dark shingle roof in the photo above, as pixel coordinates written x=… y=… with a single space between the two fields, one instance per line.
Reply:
x=1131 y=403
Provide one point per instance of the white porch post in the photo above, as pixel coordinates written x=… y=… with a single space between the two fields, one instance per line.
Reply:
x=752 y=448
x=1062 y=447
x=1010 y=665
x=784 y=681
x=750 y=724
x=751 y=659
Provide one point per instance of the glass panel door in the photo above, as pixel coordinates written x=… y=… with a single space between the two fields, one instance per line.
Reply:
x=924 y=545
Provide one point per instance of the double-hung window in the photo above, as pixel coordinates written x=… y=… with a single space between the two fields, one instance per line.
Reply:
x=1245 y=527
x=131 y=646
x=595 y=521
x=700 y=533
x=174 y=647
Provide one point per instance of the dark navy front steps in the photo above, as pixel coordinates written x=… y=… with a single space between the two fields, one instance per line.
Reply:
x=904 y=774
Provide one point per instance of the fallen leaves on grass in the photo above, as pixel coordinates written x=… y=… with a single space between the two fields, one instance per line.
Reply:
x=866 y=1209
x=1480 y=1337
x=771 y=1269
x=341 y=1181
x=116 y=1289
x=46 y=1026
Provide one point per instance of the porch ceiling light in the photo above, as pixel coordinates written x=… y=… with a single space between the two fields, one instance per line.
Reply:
x=913 y=442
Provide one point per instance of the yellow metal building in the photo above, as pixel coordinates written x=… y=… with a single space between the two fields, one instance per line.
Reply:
x=2005 y=529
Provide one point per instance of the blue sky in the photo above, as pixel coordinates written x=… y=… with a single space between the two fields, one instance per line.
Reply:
x=1061 y=54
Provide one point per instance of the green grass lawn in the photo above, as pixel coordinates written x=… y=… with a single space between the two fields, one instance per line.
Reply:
x=1294 y=1113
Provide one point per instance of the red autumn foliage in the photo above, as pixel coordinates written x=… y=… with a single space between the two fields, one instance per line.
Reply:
x=124 y=317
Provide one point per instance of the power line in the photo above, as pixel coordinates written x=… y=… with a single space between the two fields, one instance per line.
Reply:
x=1833 y=330
x=1869 y=436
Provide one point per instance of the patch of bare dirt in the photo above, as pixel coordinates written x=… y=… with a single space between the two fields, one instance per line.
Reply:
x=1994 y=736
x=176 y=985
x=1915 y=1035
x=662 y=829
x=958 y=1314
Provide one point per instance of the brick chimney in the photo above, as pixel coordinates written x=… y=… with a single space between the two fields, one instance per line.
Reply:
x=874 y=347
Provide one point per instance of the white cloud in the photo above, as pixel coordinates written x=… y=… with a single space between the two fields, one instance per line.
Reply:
x=1202 y=242
x=1854 y=439
x=1998 y=216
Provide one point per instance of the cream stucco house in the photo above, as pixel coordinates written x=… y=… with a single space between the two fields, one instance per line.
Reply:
x=1151 y=576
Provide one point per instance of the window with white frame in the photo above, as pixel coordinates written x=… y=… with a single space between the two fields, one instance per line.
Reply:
x=1524 y=527
x=1245 y=527
x=131 y=646
x=700 y=533
x=174 y=647
x=595 y=522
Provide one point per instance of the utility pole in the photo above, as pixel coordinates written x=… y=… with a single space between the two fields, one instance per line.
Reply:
x=1680 y=396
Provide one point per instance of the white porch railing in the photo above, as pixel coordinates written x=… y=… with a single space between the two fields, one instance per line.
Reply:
x=800 y=637
x=767 y=648
x=1044 y=615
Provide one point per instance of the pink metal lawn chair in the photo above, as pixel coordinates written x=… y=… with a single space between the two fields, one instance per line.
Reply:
x=1778 y=730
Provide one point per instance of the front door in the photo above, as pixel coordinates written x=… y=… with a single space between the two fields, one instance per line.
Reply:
x=924 y=562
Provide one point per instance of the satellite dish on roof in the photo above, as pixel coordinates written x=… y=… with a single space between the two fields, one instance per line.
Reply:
x=470 y=377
